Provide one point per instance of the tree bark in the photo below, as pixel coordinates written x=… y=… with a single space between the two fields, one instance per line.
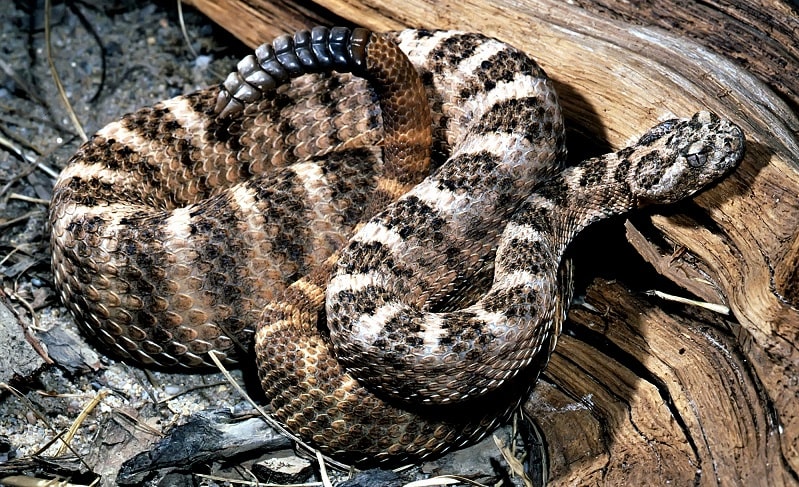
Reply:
x=640 y=390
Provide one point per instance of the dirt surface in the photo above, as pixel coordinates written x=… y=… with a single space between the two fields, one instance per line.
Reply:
x=111 y=58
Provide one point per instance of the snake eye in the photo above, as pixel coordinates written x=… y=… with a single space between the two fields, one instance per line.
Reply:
x=696 y=154
x=698 y=159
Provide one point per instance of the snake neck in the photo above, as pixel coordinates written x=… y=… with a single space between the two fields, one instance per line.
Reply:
x=561 y=208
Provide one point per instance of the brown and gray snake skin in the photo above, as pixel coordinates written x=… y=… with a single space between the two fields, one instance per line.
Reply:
x=383 y=215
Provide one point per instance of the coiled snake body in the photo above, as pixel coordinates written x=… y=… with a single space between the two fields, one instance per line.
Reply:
x=185 y=227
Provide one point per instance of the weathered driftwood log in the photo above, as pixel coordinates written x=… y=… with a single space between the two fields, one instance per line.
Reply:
x=642 y=391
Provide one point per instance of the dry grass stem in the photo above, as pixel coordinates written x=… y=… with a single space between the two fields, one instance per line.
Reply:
x=514 y=463
x=183 y=30
x=56 y=79
x=29 y=199
x=271 y=422
x=323 y=470
x=716 y=308
x=57 y=435
x=70 y=434
x=139 y=424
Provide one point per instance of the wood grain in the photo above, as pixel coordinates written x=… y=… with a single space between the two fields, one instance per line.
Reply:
x=662 y=397
x=641 y=391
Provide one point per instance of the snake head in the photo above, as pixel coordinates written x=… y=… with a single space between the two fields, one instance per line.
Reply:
x=678 y=157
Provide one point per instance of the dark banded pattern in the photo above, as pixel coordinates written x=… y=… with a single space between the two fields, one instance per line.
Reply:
x=449 y=223
x=513 y=141
x=180 y=228
x=396 y=372
x=173 y=227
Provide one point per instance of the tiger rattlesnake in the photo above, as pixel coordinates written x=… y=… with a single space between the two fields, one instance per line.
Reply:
x=184 y=227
